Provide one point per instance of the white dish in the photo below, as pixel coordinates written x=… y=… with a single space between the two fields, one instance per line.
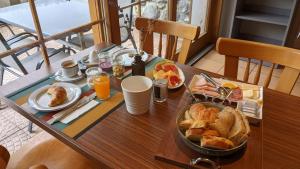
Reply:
x=181 y=76
x=259 y=100
x=39 y=99
x=59 y=77
x=127 y=60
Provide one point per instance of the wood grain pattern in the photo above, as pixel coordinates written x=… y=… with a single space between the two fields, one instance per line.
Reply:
x=174 y=151
x=122 y=140
x=288 y=57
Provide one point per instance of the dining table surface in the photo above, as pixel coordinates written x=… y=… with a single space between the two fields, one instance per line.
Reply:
x=55 y=16
x=122 y=140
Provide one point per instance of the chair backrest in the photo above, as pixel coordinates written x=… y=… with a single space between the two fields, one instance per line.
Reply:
x=287 y=57
x=173 y=30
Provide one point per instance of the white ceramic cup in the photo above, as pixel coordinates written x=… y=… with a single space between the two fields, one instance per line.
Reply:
x=137 y=91
x=69 y=68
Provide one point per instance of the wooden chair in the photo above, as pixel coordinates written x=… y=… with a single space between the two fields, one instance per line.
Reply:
x=287 y=57
x=173 y=30
x=42 y=152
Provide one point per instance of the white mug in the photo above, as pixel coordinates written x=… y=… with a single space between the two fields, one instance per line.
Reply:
x=137 y=91
x=69 y=68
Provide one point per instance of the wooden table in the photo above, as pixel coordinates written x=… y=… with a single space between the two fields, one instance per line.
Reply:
x=55 y=15
x=124 y=141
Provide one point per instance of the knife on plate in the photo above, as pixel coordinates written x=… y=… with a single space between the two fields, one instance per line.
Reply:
x=83 y=101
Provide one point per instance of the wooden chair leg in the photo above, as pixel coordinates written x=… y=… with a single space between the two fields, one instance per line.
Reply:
x=1 y=75
x=30 y=127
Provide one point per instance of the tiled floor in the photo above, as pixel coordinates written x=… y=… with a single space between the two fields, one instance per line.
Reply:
x=214 y=62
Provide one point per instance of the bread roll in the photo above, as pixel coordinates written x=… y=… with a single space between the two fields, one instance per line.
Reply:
x=238 y=130
x=194 y=134
x=224 y=121
x=216 y=142
x=195 y=109
x=186 y=124
x=210 y=133
x=209 y=114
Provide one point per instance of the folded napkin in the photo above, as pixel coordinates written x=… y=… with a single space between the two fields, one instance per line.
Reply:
x=79 y=112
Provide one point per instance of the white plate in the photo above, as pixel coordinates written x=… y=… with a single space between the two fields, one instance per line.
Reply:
x=59 y=77
x=39 y=99
x=181 y=76
x=126 y=58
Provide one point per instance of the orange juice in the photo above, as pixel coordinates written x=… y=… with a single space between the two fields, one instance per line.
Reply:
x=102 y=86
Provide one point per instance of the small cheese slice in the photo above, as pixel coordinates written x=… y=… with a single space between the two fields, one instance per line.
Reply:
x=247 y=93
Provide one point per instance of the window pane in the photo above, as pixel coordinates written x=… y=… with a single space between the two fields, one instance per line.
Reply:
x=154 y=9
x=193 y=12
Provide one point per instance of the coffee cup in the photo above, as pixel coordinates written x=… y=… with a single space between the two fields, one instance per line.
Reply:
x=69 y=68
x=137 y=91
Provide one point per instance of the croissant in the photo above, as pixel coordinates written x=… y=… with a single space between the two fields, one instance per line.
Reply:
x=58 y=95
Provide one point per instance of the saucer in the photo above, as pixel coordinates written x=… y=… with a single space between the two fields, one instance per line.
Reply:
x=59 y=77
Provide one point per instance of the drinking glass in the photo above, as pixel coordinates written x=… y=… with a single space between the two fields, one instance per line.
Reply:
x=105 y=61
x=118 y=67
x=102 y=86
x=160 y=90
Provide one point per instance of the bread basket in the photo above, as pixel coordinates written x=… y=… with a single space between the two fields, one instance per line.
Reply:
x=196 y=145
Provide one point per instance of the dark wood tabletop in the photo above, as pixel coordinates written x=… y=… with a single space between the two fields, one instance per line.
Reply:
x=122 y=140
x=55 y=15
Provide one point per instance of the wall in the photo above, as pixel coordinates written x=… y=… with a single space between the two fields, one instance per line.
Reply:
x=226 y=17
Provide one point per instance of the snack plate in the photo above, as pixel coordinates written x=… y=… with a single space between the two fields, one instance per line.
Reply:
x=39 y=99
x=255 y=118
x=127 y=59
x=196 y=146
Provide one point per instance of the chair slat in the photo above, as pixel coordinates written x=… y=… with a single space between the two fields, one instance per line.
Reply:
x=160 y=44
x=174 y=48
x=288 y=79
x=269 y=77
x=247 y=71
x=172 y=30
x=258 y=72
x=231 y=67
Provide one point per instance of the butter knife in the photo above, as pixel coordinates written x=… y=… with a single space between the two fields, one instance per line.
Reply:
x=83 y=101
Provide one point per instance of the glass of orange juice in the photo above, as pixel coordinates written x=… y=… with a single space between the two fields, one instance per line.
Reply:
x=102 y=86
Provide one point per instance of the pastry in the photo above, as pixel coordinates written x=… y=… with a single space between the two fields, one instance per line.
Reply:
x=194 y=134
x=186 y=124
x=238 y=130
x=58 y=95
x=210 y=133
x=195 y=110
x=199 y=124
x=224 y=121
x=209 y=114
x=216 y=142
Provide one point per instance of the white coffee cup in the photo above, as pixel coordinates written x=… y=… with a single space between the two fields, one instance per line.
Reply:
x=137 y=91
x=69 y=68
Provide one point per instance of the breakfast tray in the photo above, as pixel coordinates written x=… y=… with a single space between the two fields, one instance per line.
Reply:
x=253 y=118
x=174 y=151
